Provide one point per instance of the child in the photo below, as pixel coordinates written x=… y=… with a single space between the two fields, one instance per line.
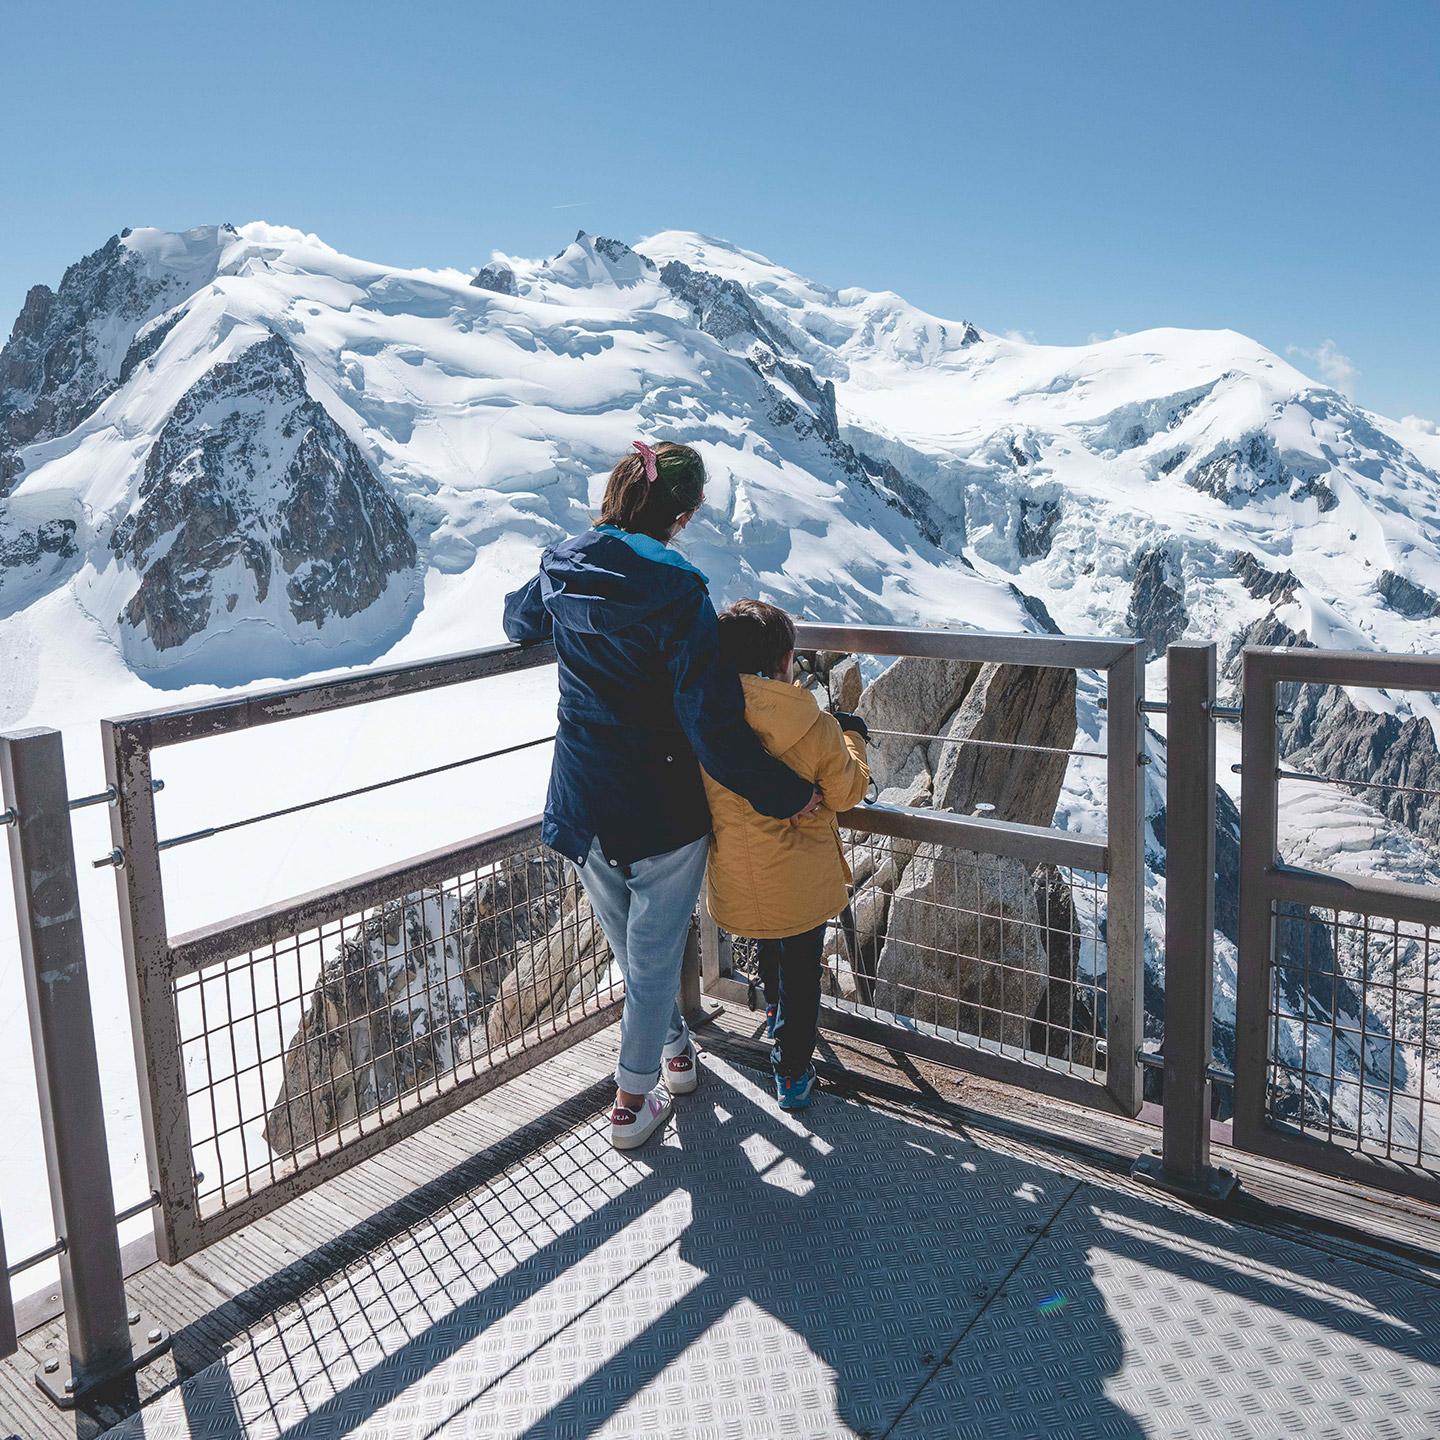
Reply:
x=773 y=880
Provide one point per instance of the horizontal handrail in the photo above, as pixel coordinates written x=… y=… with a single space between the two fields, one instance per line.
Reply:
x=178 y=723
x=210 y=944
x=1059 y=652
x=240 y=934
x=1034 y=844
x=173 y=725
x=1324 y=890
x=1306 y=665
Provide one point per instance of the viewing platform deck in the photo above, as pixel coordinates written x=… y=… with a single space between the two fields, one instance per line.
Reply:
x=924 y=1253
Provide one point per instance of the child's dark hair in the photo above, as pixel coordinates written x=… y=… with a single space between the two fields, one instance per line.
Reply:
x=755 y=637
x=635 y=503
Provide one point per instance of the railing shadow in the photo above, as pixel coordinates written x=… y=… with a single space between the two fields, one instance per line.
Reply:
x=841 y=1266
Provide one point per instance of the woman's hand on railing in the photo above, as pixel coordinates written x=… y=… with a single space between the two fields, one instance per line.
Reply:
x=803 y=815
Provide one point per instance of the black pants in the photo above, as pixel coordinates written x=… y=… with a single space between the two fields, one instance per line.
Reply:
x=790 y=973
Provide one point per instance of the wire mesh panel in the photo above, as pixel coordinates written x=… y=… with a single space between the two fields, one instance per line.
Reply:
x=1354 y=1045
x=980 y=950
x=297 y=1048
x=1338 y=1006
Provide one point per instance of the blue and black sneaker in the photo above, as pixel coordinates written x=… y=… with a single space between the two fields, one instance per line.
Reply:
x=798 y=1093
x=772 y=1017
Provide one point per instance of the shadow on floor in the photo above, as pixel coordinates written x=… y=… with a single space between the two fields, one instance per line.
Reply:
x=843 y=1272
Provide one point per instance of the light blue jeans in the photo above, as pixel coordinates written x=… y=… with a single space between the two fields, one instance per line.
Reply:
x=645 y=909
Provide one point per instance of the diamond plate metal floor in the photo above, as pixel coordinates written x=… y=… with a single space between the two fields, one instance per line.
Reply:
x=844 y=1273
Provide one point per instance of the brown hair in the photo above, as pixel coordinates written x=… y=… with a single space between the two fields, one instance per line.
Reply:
x=633 y=503
x=755 y=637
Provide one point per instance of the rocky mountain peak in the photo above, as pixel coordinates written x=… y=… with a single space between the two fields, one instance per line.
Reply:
x=68 y=346
x=252 y=485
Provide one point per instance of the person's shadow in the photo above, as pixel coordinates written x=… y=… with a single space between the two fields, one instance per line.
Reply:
x=845 y=1253
x=842 y=1271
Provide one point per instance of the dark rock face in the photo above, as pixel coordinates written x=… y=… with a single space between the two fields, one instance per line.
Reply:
x=250 y=474
x=1036 y=609
x=1277 y=586
x=1157 y=600
x=1036 y=531
x=969 y=336
x=27 y=547
x=497 y=277
x=1235 y=475
x=1326 y=733
x=71 y=347
x=723 y=309
x=1408 y=598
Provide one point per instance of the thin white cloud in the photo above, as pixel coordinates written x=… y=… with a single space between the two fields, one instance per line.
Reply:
x=1419 y=424
x=1331 y=364
x=1024 y=337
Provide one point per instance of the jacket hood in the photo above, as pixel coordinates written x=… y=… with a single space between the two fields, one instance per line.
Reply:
x=780 y=714
x=603 y=581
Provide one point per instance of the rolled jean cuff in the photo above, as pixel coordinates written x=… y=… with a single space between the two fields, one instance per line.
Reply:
x=632 y=1082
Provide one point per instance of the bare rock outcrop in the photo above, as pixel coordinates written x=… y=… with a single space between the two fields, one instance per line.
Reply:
x=1007 y=704
x=964 y=944
x=252 y=485
x=913 y=696
x=398 y=1003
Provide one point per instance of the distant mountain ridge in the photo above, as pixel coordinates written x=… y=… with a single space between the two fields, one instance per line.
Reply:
x=870 y=461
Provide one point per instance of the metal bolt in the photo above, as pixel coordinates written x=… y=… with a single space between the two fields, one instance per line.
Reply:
x=70 y=1387
x=51 y=1366
x=1032 y=1229
x=155 y=1336
x=134 y=1317
x=9 y=817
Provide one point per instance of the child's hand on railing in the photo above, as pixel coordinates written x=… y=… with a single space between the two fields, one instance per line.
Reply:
x=802 y=815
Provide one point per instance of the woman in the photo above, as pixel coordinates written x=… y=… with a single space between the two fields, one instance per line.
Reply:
x=643 y=705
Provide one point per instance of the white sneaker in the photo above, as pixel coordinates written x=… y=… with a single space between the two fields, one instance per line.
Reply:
x=682 y=1073
x=632 y=1128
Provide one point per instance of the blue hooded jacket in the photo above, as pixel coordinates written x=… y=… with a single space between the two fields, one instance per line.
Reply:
x=644 y=701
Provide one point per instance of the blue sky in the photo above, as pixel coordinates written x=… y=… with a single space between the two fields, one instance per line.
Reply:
x=1060 y=170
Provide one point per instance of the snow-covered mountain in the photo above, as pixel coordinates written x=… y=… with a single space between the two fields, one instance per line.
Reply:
x=244 y=454
x=237 y=454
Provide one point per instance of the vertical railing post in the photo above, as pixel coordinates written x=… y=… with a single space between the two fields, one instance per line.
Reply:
x=106 y=1338
x=1125 y=884
x=713 y=961
x=1183 y=1165
x=145 y=936
x=9 y=1342
x=1259 y=844
x=690 y=988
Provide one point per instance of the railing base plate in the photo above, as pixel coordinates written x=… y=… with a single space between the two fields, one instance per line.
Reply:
x=59 y=1382
x=1215 y=1185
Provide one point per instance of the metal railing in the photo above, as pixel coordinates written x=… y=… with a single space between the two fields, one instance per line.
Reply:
x=1009 y=949
x=106 y=1336
x=279 y=1047
x=1339 y=985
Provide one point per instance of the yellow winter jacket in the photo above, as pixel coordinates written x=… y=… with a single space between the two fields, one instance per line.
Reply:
x=766 y=879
